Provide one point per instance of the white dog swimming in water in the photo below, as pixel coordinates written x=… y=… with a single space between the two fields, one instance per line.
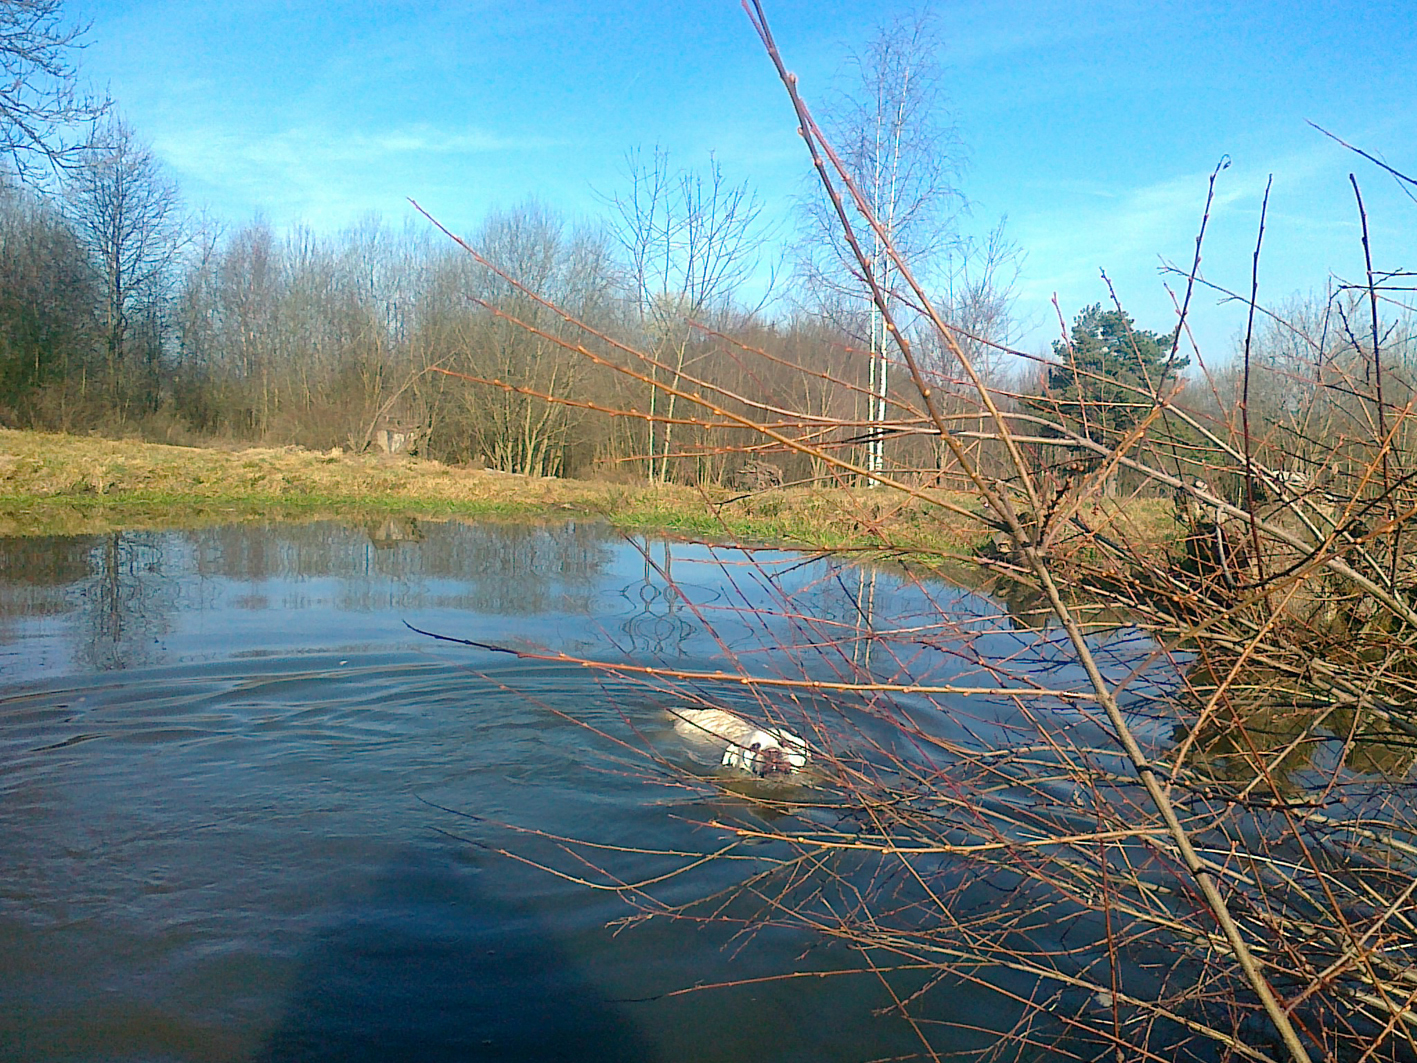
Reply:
x=754 y=749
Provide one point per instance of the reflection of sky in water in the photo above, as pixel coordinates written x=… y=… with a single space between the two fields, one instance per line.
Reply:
x=123 y=600
x=120 y=602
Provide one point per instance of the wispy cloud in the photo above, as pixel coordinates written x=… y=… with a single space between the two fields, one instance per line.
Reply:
x=324 y=177
x=314 y=148
x=1088 y=231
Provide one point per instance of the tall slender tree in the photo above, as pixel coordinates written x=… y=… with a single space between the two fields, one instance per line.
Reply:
x=891 y=126
x=690 y=238
x=46 y=299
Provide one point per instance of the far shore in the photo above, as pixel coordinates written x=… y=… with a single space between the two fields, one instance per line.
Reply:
x=52 y=484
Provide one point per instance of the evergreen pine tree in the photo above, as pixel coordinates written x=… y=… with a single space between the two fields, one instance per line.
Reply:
x=1105 y=356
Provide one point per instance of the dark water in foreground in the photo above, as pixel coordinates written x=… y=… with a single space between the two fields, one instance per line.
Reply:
x=221 y=756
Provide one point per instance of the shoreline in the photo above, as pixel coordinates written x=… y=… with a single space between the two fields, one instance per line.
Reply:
x=55 y=484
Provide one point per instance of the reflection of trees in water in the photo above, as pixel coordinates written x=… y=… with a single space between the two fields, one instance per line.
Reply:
x=499 y=569
x=116 y=588
x=34 y=574
x=127 y=600
x=44 y=560
x=1295 y=750
x=121 y=590
x=519 y=569
x=865 y=600
x=655 y=625
x=394 y=531
x=403 y=563
x=35 y=577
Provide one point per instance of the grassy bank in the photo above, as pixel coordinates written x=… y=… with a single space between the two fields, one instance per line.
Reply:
x=58 y=484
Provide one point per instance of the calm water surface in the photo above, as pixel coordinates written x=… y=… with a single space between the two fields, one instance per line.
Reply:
x=226 y=766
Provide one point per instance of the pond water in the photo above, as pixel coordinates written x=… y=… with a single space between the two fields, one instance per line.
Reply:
x=247 y=814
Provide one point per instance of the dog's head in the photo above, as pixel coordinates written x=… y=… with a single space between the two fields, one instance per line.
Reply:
x=772 y=752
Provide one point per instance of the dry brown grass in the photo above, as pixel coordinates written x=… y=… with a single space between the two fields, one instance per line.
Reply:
x=62 y=484
x=37 y=465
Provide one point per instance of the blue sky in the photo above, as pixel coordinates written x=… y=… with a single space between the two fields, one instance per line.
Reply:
x=1092 y=126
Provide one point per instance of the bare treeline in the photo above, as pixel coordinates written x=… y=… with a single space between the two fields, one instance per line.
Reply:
x=123 y=313
x=117 y=313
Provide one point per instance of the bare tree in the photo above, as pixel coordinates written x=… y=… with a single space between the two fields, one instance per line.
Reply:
x=515 y=431
x=248 y=294
x=40 y=101
x=978 y=298
x=128 y=213
x=195 y=380
x=691 y=240
x=892 y=130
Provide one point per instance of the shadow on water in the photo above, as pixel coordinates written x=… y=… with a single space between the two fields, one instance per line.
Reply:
x=426 y=965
